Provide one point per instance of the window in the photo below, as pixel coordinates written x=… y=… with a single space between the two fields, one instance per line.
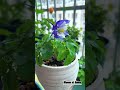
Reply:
x=68 y=15
x=76 y=15
x=59 y=16
x=66 y=9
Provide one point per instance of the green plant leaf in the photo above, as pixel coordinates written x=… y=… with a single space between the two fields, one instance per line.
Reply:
x=26 y=27
x=3 y=67
x=61 y=55
x=7 y=78
x=39 y=11
x=69 y=59
x=46 y=51
x=5 y=32
x=71 y=48
x=26 y=71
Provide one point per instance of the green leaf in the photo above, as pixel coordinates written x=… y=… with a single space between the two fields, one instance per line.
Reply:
x=26 y=27
x=36 y=39
x=69 y=59
x=26 y=71
x=81 y=75
x=3 y=67
x=5 y=32
x=46 y=51
x=61 y=55
x=46 y=38
x=71 y=48
x=7 y=78
x=39 y=11
x=90 y=64
x=51 y=21
x=39 y=60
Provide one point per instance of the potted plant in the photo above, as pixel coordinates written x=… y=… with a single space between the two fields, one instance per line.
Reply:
x=55 y=54
x=56 y=60
x=95 y=45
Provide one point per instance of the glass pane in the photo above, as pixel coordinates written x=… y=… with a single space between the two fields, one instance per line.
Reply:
x=38 y=4
x=50 y=3
x=80 y=2
x=52 y=16
x=44 y=4
x=69 y=16
x=59 y=15
x=69 y=3
x=80 y=19
x=59 y=3
x=44 y=15
x=39 y=17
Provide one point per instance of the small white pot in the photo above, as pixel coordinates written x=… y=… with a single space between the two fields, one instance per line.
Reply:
x=52 y=78
x=98 y=84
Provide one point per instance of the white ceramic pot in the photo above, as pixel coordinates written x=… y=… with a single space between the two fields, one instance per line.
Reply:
x=52 y=78
x=98 y=84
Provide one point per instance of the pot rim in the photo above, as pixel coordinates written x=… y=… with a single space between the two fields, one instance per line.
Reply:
x=60 y=67
x=98 y=79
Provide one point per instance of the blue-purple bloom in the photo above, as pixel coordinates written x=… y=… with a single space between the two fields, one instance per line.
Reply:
x=60 y=29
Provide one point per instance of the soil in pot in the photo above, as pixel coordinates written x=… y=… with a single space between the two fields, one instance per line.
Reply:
x=53 y=62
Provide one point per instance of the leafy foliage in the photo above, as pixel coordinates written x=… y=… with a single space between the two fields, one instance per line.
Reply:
x=16 y=56
x=47 y=47
x=16 y=45
x=61 y=50
x=95 y=44
x=74 y=32
x=81 y=73
x=112 y=83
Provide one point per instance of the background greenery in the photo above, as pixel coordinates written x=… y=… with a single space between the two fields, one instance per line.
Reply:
x=94 y=42
x=16 y=44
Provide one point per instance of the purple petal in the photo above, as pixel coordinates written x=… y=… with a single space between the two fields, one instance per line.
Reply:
x=55 y=34
x=66 y=33
x=61 y=38
x=58 y=23
x=54 y=27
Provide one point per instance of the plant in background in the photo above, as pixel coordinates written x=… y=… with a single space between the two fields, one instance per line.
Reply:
x=95 y=43
x=16 y=46
x=81 y=73
x=112 y=83
x=74 y=32
x=16 y=59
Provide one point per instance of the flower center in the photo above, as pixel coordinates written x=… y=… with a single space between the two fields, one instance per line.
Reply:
x=61 y=30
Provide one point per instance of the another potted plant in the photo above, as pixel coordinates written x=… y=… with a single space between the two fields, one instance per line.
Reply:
x=95 y=45
x=56 y=48
x=113 y=81
x=16 y=56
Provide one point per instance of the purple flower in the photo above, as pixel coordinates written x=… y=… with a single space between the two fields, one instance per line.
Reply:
x=60 y=29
